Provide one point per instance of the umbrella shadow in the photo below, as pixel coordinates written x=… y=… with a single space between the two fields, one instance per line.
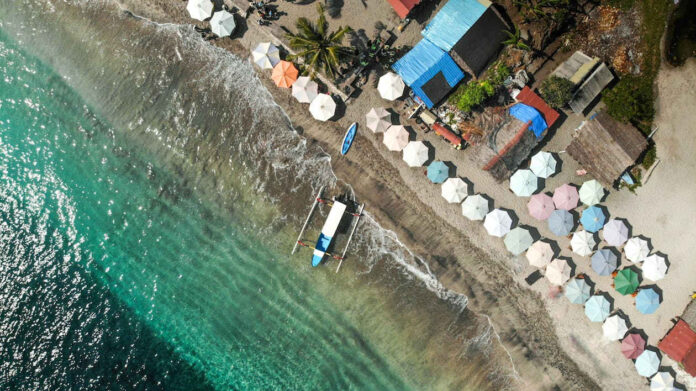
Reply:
x=431 y=152
x=673 y=373
x=452 y=169
x=664 y=256
x=559 y=164
x=340 y=108
x=532 y=231
x=411 y=133
x=491 y=203
x=554 y=246
x=469 y=186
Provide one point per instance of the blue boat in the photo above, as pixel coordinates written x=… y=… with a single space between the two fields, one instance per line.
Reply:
x=348 y=138
x=328 y=231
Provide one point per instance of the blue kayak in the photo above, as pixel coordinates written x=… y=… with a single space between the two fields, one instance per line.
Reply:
x=348 y=138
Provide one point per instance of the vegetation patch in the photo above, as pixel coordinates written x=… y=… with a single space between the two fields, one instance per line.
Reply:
x=556 y=91
x=476 y=92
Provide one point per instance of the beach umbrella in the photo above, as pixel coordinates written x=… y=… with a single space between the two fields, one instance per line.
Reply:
x=497 y=223
x=416 y=153
x=284 y=74
x=591 y=192
x=540 y=206
x=626 y=281
x=454 y=190
x=647 y=301
x=305 y=89
x=378 y=120
x=558 y=272
x=604 y=262
x=654 y=267
x=438 y=172
x=543 y=164
x=592 y=219
x=582 y=243
x=577 y=291
x=390 y=86
x=615 y=232
x=648 y=363
x=636 y=249
x=475 y=207
x=322 y=107
x=222 y=23
x=396 y=138
x=199 y=9
x=265 y=55
x=614 y=328
x=662 y=381
x=524 y=183
x=597 y=308
x=565 y=197
x=632 y=346
x=540 y=254
x=561 y=222
x=518 y=240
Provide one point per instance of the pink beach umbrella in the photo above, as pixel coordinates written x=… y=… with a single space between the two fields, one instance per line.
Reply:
x=566 y=197
x=540 y=206
x=632 y=346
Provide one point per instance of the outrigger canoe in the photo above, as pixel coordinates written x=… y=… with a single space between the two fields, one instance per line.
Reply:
x=348 y=138
x=328 y=231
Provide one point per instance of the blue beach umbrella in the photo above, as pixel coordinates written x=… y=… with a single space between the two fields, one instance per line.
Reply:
x=647 y=301
x=438 y=172
x=592 y=219
x=597 y=308
x=577 y=291
x=561 y=222
x=648 y=363
x=604 y=262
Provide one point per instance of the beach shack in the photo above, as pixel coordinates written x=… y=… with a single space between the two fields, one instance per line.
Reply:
x=680 y=345
x=606 y=148
x=403 y=7
x=471 y=31
x=589 y=76
x=429 y=71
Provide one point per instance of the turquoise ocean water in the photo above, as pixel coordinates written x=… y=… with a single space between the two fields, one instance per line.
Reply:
x=147 y=207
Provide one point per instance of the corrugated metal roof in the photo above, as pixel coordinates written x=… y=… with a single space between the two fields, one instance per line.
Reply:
x=677 y=343
x=453 y=21
x=528 y=97
x=591 y=88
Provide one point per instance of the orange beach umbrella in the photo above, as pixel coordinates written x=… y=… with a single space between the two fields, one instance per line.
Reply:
x=284 y=74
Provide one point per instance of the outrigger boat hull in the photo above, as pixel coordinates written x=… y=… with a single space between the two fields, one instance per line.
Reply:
x=328 y=231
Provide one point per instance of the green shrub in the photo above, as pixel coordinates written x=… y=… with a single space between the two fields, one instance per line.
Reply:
x=557 y=91
x=475 y=93
x=649 y=158
x=631 y=100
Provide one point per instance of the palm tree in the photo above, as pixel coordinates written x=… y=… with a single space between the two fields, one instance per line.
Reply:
x=515 y=39
x=318 y=47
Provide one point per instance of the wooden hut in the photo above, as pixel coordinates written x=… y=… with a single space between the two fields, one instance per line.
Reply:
x=589 y=75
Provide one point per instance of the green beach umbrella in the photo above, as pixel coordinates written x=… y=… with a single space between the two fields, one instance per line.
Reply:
x=518 y=240
x=626 y=282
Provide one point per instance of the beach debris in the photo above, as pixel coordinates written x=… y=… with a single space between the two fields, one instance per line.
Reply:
x=396 y=138
x=648 y=363
x=524 y=183
x=540 y=254
x=654 y=267
x=518 y=240
x=578 y=291
x=284 y=74
x=561 y=222
x=304 y=89
x=378 y=120
x=222 y=24
x=498 y=223
x=615 y=232
x=582 y=243
x=632 y=346
x=322 y=107
x=475 y=207
x=416 y=153
x=199 y=9
x=438 y=172
x=540 y=206
x=543 y=164
x=604 y=262
x=614 y=328
x=636 y=249
x=566 y=197
x=390 y=86
x=454 y=190
x=626 y=281
x=647 y=301
x=591 y=192
x=597 y=308
x=558 y=271
x=592 y=219
x=265 y=55
x=662 y=381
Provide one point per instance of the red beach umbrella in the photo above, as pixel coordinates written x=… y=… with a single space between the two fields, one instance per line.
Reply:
x=632 y=346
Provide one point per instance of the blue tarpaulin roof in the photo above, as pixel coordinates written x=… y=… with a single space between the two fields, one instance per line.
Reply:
x=452 y=22
x=525 y=114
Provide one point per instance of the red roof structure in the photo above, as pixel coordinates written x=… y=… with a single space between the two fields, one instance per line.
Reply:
x=403 y=7
x=680 y=345
x=528 y=97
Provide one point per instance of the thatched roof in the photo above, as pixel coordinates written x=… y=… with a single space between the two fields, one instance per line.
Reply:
x=591 y=88
x=606 y=148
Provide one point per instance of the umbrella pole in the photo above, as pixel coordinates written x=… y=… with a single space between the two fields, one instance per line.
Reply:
x=343 y=256
x=311 y=211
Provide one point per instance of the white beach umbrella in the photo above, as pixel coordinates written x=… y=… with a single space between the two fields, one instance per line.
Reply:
x=322 y=107
x=454 y=190
x=582 y=243
x=558 y=272
x=647 y=363
x=614 y=328
x=615 y=232
x=222 y=23
x=265 y=55
x=475 y=207
x=396 y=138
x=199 y=9
x=654 y=267
x=390 y=86
x=498 y=223
x=591 y=192
x=636 y=249
x=662 y=381
x=540 y=254
x=543 y=164
x=524 y=183
x=378 y=120
x=416 y=153
x=518 y=240
x=304 y=89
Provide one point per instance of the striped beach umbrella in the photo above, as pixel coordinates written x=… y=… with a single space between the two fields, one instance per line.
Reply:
x=378 y=120
x=614 y=328
x=475 y=207
x=577 y=291
x=438 y=172
x=632 y=346
x=390 y=86
x=222 y=24
x=647 y=301
x=518 y=240
x=284 y=74
x=540 y=254
x=199 y=9
x=498 y=223
x=558 y=272
x=265 y=55
x=540 y=206
x=597 y=308
x=396 y=138
x=626 y=281
x=416 y=153
x=604 y=262
x=305 y=89
x=591 y=192
x=566 y=197
x=524 y=183
x=636 y=249
x=654 y=267
x=648 y=363
x=543 y=164
x=592 y=219
x=615 y=232
x=561 y=222
x=454 y=190
x=582 y=243
x=662 y=381
x=322 y=107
